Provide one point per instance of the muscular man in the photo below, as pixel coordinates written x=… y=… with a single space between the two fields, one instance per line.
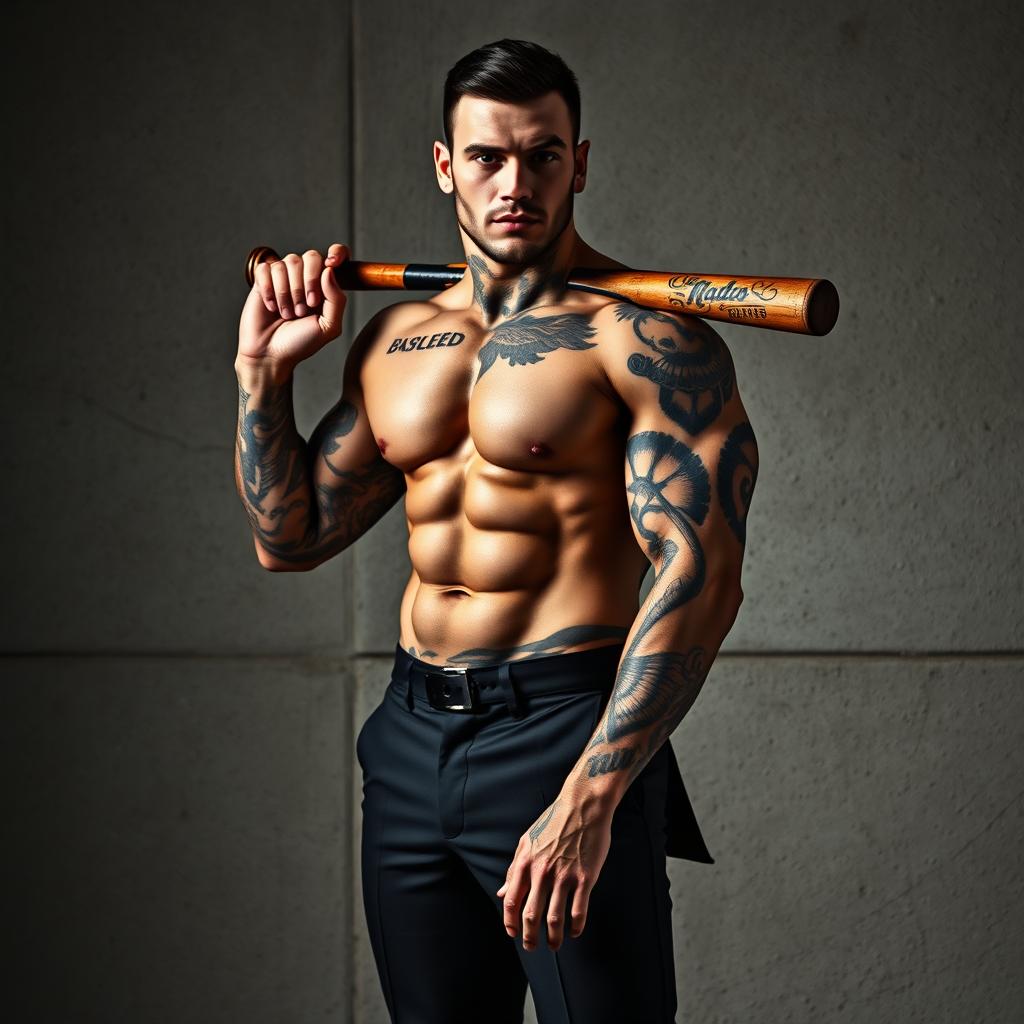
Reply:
x=551 y=445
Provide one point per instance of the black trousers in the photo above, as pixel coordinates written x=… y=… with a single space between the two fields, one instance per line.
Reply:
x=447 y=796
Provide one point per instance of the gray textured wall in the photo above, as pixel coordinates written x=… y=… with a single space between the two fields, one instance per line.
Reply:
x=178 y=723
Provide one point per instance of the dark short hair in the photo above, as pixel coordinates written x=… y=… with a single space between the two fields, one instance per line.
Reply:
x=512 y=71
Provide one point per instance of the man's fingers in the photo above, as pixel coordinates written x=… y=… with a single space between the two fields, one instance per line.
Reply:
x=549 y=913
x=580 y=905
x=535 y=911
x=295 y=285
x=334 y=297
x=263 y=283
x=556 y=911
x=293 y=262
x=312 y=267
x=337 y=252
x=516 y=888
x=282 y=288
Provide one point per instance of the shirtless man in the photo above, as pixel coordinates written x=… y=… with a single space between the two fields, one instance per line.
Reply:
x=551 y=445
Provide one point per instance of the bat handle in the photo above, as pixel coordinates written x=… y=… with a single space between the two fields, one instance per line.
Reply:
x=356 y=275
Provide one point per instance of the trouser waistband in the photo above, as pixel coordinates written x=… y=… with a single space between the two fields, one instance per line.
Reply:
x=511 y=682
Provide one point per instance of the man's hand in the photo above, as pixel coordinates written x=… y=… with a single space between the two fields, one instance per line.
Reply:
x=295 y=307
x=558 y=860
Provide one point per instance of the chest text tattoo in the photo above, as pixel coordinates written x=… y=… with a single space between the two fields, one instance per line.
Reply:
x=521 y=340
x=425 y=341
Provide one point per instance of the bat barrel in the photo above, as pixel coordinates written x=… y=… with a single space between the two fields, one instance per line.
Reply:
x=822 y=307
x=797 y=304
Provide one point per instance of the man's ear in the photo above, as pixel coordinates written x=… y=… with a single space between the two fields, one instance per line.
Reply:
x=579 y=180
x=443 y=167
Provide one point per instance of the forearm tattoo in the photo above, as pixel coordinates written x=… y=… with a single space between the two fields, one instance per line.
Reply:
x=300 y=505
x=670 y=490
x=271 y=458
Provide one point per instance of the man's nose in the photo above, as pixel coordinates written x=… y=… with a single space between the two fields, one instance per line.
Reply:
x=516 y=182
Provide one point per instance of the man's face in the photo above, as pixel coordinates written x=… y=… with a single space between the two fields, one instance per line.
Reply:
x=513 y=172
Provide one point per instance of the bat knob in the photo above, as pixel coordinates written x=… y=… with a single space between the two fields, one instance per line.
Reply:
x=261 y=254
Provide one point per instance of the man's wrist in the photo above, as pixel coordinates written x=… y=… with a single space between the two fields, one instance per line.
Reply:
x=254 y=372
x=596 y=796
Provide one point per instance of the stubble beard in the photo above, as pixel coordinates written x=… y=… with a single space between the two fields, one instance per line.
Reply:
x=534 y=252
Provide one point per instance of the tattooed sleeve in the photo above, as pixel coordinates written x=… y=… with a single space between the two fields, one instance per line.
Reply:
x=690 y=468
x=307 y=501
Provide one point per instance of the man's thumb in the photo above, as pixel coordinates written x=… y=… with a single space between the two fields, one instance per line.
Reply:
x=334 y=300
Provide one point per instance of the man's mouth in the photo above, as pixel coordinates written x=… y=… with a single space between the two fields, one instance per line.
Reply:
x=515 y=223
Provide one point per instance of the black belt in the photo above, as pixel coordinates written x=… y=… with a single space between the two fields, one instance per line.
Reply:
x=472 y=690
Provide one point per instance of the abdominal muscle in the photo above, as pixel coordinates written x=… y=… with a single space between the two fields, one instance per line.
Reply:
x=510 y=565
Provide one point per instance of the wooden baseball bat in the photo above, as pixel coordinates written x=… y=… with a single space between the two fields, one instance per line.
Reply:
x=796 y=304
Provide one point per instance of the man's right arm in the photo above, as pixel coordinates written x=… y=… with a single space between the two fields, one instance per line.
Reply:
x=306 y=501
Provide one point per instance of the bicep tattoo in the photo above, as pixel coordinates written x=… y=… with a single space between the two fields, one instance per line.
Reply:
x=692 y=368
x=737 y=474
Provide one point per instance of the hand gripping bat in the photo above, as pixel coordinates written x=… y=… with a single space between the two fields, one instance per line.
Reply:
x=796 y=304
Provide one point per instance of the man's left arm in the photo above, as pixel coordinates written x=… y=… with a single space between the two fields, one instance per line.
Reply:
x=690 y=467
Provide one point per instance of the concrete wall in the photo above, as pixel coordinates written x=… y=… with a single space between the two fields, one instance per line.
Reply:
x=179 y=723
x=176 y=721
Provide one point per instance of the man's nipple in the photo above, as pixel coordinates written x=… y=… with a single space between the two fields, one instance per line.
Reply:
x=382 y=445
x=540 y=448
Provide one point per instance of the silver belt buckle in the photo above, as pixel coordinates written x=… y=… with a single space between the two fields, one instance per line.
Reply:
x=448 y=684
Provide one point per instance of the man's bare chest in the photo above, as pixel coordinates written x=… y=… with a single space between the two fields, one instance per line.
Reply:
x=528 y=395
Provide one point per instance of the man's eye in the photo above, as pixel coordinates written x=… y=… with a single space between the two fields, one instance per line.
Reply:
x=484 y=158
x=545 y=156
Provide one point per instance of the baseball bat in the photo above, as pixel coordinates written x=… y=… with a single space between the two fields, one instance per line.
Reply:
x=796 y=304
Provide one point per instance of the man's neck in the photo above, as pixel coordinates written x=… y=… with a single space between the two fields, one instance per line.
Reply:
x=502 y=290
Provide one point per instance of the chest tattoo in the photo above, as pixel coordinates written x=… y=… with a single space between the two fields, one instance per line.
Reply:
x=419 y=342
x=525 y=338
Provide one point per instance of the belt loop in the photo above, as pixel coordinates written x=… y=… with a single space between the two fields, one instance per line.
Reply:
x=407 y=672
x=508 y=687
